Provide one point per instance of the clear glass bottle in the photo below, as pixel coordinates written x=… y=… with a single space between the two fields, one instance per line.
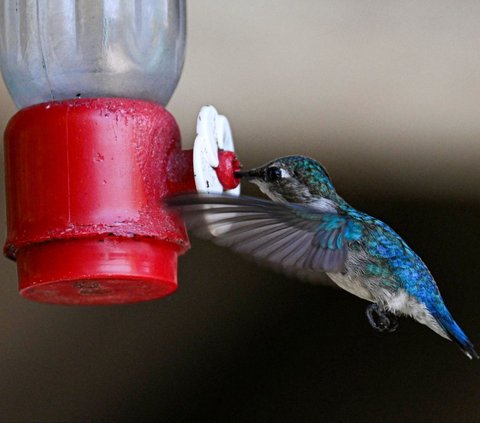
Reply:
x=61 y=49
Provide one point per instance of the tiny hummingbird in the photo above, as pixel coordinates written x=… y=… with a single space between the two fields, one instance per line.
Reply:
x=308 y=230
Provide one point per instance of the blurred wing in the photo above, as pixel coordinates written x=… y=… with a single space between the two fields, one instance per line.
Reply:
x=291 y=237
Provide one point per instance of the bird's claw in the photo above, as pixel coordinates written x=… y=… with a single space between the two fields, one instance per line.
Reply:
x=380 y=319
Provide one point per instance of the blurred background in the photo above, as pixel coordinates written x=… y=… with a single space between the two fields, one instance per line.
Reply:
x=384 y=94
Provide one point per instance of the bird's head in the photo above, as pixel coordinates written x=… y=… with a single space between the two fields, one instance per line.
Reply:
x=296 y=179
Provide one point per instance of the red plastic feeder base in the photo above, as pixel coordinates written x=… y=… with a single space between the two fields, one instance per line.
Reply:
x=108 y=270
x=84 y=184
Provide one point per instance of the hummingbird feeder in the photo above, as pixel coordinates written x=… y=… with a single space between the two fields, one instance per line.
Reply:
x=92 y=151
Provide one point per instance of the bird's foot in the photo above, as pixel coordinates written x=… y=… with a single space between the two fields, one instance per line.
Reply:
x=380 y=319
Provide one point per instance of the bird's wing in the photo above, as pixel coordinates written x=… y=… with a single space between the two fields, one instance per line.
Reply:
x=290 y=237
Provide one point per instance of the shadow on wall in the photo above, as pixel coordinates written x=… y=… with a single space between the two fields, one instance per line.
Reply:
x=239 y=343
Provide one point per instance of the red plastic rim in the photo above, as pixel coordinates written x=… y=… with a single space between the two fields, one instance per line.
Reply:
x=86 y=271
x=227 y=166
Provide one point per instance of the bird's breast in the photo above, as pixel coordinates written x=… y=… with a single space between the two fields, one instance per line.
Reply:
x=352 y=283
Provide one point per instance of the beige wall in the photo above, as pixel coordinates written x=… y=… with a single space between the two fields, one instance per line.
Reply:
x=375 y=89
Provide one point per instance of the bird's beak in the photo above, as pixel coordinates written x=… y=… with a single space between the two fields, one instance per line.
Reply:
x=248 y=174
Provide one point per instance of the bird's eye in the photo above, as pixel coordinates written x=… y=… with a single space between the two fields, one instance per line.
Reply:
x=273 y=174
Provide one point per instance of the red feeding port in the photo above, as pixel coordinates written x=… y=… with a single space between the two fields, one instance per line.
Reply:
x=228 y=164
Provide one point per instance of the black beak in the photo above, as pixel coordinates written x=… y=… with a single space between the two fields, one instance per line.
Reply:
x=248 y=174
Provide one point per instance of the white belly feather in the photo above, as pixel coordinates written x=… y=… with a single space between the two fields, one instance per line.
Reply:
x=352 y=285
x=397 y=302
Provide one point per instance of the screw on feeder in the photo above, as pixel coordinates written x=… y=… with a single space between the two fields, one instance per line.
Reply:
x=211 y=165
x=214 y=160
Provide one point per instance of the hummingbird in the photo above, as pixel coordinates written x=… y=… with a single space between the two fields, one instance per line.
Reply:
x=309 y=230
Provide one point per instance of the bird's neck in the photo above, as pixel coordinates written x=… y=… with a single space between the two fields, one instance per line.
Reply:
x=331 y=204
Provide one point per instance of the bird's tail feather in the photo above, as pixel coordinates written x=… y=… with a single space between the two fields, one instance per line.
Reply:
x=456 y=335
